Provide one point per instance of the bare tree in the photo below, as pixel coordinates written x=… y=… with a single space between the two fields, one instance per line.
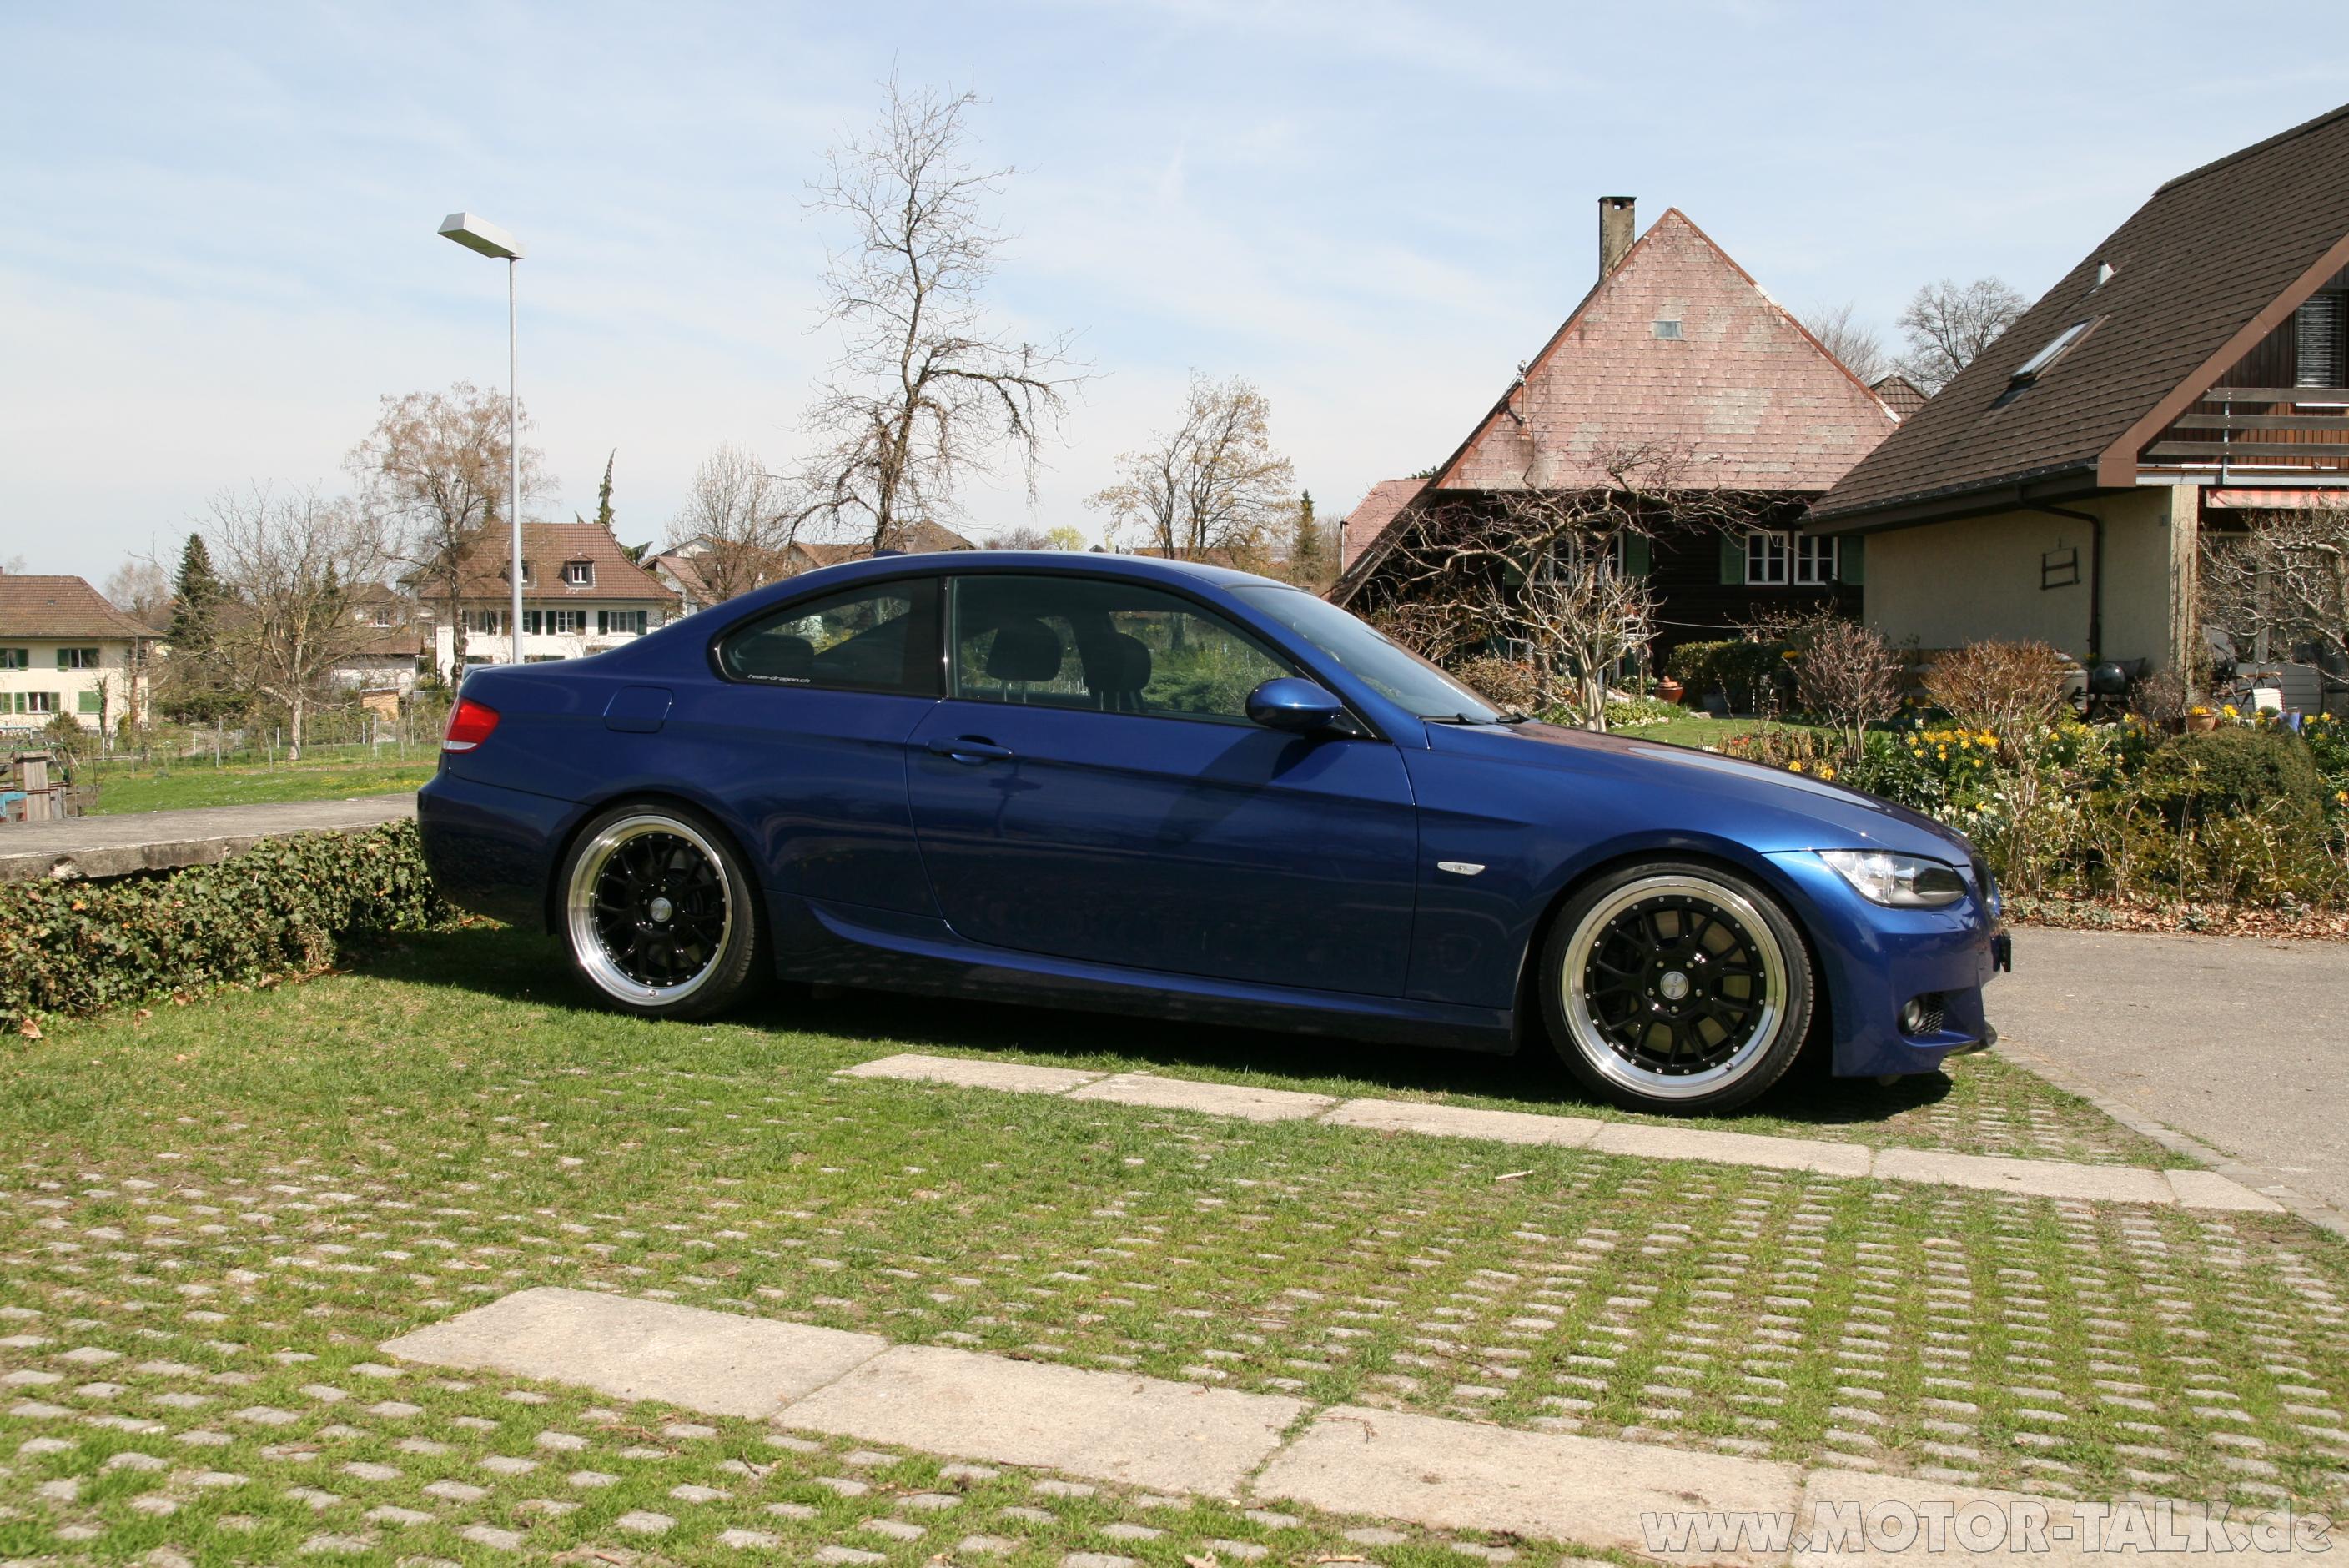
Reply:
x=1842 y=334
x=1849 y=673
x=1213 y=483
x=142 y=590
x=295 y=565
x=1028 y=536
x=738 y=519
x=925 y=389
x=1949 y=323
x=2284 y=584
x=1547 y=569
x=434 y=472
x=15 y=564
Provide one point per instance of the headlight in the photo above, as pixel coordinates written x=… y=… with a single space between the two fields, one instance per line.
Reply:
x=1903 y=881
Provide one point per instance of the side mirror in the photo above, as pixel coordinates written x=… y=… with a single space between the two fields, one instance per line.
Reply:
x=1294 y=703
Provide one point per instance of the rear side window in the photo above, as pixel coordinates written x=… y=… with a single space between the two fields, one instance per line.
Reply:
x=1110 y=645
x=879 y=638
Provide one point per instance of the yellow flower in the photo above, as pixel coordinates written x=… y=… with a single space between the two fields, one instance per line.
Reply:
x=2229 y=711
x=1827 y=773
x=1794 y=768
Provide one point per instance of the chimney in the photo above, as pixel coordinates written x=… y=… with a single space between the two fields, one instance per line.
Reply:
x=1617 y=225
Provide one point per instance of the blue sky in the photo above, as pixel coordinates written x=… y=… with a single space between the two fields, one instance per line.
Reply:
x=220 y=247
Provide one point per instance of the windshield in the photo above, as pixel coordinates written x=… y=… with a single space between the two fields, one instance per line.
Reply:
x=1386 y=666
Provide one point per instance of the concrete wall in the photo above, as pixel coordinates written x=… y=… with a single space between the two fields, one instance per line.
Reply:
x=1948 y=583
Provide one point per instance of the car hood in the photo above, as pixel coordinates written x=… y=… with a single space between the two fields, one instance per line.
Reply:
x=1801 y=812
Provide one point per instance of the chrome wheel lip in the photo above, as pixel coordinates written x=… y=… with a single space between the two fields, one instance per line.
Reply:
x=587 y=945
x=1590 y=1041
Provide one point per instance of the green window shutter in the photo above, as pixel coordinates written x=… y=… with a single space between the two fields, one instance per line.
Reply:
x=89 y=700
x=1851 y=561
x=1638 y=561
x=1733 y=559
x=64 y=654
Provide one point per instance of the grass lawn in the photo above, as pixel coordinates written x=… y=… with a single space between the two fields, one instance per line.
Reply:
x=211 y=1216
x=1694 y=728
x=199 y=783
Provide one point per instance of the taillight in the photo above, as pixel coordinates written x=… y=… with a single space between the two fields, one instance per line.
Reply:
x=470 y=724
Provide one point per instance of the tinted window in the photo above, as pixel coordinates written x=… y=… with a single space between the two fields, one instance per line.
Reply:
x=1391 y=670
x=1118 y=647
x=880 y=638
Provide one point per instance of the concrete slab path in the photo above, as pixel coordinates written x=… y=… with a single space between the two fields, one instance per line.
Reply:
x=1643 y=1140
x=75 y=847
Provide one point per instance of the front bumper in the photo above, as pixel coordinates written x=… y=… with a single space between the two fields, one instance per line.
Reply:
x=1875 y=960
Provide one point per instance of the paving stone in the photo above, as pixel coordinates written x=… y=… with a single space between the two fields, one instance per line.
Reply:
x=2037 y=1178
x=1240 y=1100
x=1733 y=1149
x=402 y=1518
x=1455 y=1475
x=1015 y=1078
x=843 y=1556
x=748 y=1540
x=491 y=1536
x=710 y=1361
x=1106 y=1425
x=1461 y=1121
x=2209 y=1189
x=638 y=1522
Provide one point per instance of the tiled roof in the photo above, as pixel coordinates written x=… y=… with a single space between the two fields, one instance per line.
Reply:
x=546 y=548
x=2197 y=271
x=1744 y=393
x=913 y=539
x=683 y=569
x=1371 y=516
x=60 y=607
x=1901 y=395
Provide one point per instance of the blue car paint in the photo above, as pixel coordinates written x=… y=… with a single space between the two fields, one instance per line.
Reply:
x=1217 y=872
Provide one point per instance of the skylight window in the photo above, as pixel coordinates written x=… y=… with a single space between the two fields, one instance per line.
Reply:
x=2036 y=365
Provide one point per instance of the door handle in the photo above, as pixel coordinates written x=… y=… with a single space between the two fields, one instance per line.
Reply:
x=969 y=750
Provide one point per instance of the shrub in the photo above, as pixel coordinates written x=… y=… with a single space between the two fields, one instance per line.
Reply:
x=1796 y=750
x=1755 y=677
x=1848 y=675
x=2010 y=689
x=2235 y=769
x=1508 y=685
x=282 y=908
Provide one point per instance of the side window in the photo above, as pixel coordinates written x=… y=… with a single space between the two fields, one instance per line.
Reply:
x=1111 y=647
x=880 y=638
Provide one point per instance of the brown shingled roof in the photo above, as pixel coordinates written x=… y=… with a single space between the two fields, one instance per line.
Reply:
x=546 y=548
x=60 y=607
x=1901 y=395
x=2214 y=260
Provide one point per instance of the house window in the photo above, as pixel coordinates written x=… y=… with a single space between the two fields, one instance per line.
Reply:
x=1765 y=559
x=553 y=622
x=77 y=658
x=2039 y=363
x=485 y=623
x=579 y=573
x=28 y=702
x=1815 y=560
x=620 y=622
x=2318 y=327
x=16 y=658
x=1666 y=328
x=529 y=574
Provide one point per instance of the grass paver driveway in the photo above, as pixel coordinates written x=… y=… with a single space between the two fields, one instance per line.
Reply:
x=211 y=1218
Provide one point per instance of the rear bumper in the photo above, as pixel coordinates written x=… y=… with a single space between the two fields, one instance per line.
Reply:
x=492 y=849
x=1875 y=960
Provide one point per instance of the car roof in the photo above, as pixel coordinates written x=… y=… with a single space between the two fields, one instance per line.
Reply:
x=1086 y=562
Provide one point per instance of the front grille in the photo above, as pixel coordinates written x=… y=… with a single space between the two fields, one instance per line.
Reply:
x=1935 y=1014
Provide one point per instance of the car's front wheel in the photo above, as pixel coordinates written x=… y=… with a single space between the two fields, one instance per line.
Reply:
x=659 y=917
x=1676 y=986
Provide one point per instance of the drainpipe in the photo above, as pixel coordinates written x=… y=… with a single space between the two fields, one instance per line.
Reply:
x=2095 y=574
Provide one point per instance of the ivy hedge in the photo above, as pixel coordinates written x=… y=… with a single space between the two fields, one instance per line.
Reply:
x=283 y=908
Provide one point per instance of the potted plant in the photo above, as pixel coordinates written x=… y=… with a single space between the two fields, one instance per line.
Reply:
x=1668 y=690
x=2200 y=719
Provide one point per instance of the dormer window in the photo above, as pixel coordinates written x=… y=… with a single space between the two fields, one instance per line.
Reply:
x=579 y=575
x=2039 y=364
x=529 y=574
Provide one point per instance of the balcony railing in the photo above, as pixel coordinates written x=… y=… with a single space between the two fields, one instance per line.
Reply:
x=2260 y=430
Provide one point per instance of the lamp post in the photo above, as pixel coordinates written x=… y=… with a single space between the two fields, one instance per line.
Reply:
x=480 y=234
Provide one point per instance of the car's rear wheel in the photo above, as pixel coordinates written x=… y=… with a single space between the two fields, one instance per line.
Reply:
x=1676 y=986
x=659 y=917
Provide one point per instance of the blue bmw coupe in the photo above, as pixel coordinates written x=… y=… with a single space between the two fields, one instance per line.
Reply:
x=1128 y=784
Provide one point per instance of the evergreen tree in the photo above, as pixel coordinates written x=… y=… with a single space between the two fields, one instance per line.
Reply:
x=604 y=494
x=196 y=598
x=1308 y=561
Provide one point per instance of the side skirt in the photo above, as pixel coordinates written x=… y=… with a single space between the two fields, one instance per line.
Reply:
x=847 y=944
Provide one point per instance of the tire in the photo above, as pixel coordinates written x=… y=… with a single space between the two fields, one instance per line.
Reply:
x=1676 y=986
x=657 y=913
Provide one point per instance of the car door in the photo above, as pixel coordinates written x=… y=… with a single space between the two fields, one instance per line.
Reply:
x=808 y=724
x=1091 y=789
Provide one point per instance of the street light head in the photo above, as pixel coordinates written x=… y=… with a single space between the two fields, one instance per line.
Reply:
x=480 y=234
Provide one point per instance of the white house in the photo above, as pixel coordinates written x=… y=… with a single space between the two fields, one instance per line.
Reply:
x=581 y=594
x=65 y=649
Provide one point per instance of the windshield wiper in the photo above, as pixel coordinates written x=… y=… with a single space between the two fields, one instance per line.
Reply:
x=1470 y=718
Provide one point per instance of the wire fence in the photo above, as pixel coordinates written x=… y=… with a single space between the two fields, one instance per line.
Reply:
x=343 y=735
